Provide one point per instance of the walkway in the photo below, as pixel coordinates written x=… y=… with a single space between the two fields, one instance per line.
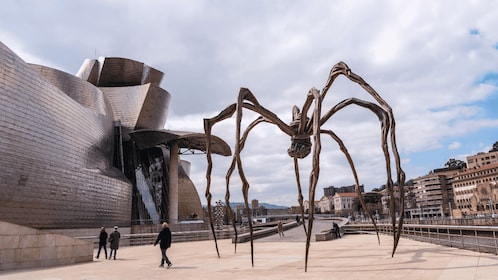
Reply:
x=351 y=257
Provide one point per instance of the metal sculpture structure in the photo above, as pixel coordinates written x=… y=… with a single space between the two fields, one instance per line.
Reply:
x=305 y=132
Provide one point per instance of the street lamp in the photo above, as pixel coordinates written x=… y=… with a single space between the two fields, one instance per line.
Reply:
x=491 y=207
x=491 y=202
x=451 y=211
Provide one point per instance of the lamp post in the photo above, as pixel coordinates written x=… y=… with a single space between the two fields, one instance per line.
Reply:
x=491 y=202
x=491 y=207
x=451 y=211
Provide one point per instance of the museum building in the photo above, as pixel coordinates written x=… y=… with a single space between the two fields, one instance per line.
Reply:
x=90 y=150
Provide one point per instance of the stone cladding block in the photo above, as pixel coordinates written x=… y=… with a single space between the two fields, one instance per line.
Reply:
x=21 y=247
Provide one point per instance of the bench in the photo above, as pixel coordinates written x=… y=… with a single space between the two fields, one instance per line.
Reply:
x=325 y=235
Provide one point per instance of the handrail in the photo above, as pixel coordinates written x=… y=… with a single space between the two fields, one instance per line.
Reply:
x=149 y=238
x=477 y=238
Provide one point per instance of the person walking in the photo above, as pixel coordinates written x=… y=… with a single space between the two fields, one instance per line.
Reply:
x=114 y=240
x=164 y=237
x=280 y=227
x=102 y=242
x=336 y=229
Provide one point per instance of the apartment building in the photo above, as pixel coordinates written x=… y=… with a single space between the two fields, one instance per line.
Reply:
x=386 y=201
x=326 y=204
x=476 y=190
x=331 y=190
x=434 y=194
x=343 y=203
x=482 y=159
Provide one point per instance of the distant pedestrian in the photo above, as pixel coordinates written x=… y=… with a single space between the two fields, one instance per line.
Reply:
x=114 y=240
x=102 y=242
x=280 y=227
x=164 y=237
x=336 y=229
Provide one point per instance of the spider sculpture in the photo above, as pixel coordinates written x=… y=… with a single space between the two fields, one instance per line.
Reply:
x=305 y=133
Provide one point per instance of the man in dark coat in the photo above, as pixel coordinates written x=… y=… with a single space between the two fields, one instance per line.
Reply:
x=114 y=240
x=102 y=242
x=164 y=237
x=336 y=229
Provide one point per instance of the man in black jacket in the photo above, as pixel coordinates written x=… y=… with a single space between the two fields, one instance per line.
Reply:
x=165 y=237
x=102 y=241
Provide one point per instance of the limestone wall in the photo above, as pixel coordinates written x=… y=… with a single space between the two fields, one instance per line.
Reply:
x=24 y=247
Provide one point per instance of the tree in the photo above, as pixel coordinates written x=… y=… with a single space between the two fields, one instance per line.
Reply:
x=373 y=201
x=495 y=147
x=456 y=164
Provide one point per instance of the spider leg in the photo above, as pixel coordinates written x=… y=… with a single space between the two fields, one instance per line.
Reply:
x=315 y=171
x=300 y=192
x=227 y=201
x=387 y=129
x=342 y=68
x=208 y=125
x=247 y=95
x=230 y=172
x=355 y=176
x=301 y=116
x=243 y=94
x=337 y=69
x=237 y=108
x=304 y=112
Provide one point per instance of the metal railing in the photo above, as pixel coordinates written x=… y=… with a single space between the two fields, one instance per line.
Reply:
x=477 y=238
x=149 y=238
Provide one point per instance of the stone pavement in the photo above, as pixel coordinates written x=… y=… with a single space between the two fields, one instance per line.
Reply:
x=351 y=257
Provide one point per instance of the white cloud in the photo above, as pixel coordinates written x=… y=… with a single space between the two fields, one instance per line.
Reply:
x=420 y=56
x=454 y=145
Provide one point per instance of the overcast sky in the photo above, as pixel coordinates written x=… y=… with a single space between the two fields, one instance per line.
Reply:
x=434 y=62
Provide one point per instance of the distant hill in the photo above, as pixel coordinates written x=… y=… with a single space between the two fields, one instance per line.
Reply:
x=272 y=206
x=264 y=204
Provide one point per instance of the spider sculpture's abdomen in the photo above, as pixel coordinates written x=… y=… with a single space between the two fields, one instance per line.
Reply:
x=300 y=147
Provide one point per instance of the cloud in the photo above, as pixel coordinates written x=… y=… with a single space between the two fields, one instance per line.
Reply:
x=454 y=146
x=433 y=62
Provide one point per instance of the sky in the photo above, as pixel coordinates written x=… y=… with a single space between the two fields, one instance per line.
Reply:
x=434 y=62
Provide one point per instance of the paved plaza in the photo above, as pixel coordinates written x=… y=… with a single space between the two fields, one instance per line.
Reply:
x=351 y=257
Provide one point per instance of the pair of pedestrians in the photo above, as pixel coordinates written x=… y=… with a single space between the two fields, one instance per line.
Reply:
x=113 y=240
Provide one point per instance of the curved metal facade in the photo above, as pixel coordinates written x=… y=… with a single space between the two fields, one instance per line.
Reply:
x=67 y=158
x=56 y=149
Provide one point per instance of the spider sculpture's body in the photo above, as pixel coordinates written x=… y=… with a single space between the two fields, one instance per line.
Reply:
x=305 y=133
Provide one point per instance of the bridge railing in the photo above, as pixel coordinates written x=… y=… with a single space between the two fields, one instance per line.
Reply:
x=477 y=238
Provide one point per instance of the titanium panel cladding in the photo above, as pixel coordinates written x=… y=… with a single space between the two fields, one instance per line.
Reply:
x=56 y=153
